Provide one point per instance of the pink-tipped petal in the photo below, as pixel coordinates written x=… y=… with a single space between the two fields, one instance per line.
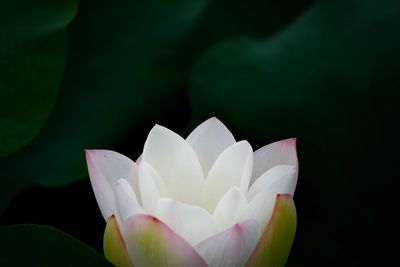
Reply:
x=125 y=200
x=275 y=243
x=232 y=168
x=191 y=222
x=278 y=153
x=176 y=162
x=208 y=140
x=105 y=168
x=152 y=243
x=232 y=247
x=114 y=246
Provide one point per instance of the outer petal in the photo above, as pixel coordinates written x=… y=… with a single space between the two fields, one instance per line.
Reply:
x=190 y=222
x=105 y=168
x=275 y=243
x=152 y=243
x=232 y=247
x=152 y=187
x=174 y=159
x=114 y=246
x=126 y=201
x=281 y=179
x=208 y=140
x=229 y=207
x=232 y=168
x=278 y=153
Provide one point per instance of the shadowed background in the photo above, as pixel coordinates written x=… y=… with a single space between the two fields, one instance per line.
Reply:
x=100 y=74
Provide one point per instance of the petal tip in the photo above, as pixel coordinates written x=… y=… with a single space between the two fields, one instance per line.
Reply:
x=155 y=128
x=237 y=227
x=290 y=141
x=99 y=152
x=119 y=182
x=140 y=216
x=158 y=127
x=214 y=119
x=89 y=152
x=245 y=143
x=149 y=219
x=284 y=197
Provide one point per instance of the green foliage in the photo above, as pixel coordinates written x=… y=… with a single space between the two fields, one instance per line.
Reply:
x=35 y=245
x=33 y=49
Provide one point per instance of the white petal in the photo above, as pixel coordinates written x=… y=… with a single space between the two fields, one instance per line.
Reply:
x=190 y=222
x=262 y=195
x=232 y=247
x=208 y=140
x=138 y=160
x=260 y=207
x=280 y=179
x=232 y=168
x=152 y=187
x=278 y=153
x=105 y=168
x=126 y=201
x=174 y=159
x=232 y=203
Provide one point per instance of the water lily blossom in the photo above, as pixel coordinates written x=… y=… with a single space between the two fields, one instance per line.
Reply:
x=206 y=200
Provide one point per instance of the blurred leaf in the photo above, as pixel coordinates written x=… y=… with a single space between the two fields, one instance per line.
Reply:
x=223 y=19
x=330 y=78
x=32 y=56
x=126 y=67
x=35 y=245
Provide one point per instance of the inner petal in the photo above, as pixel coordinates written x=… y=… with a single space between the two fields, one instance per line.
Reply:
x=232 y=168
x=208 y=140
x=152 y=187
x=190 y=222
x=262 y=194
x=176 y=162
x=280 y=179
x=260 y=208
x=229 y=207
x=125 y=200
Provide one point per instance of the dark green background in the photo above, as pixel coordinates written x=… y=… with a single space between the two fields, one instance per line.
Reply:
x=100 y=74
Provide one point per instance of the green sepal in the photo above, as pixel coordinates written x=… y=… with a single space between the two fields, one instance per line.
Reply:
x=114 y=246
x=275 y=243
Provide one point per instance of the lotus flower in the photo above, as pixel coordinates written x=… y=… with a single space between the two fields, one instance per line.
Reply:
x=204 y=201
